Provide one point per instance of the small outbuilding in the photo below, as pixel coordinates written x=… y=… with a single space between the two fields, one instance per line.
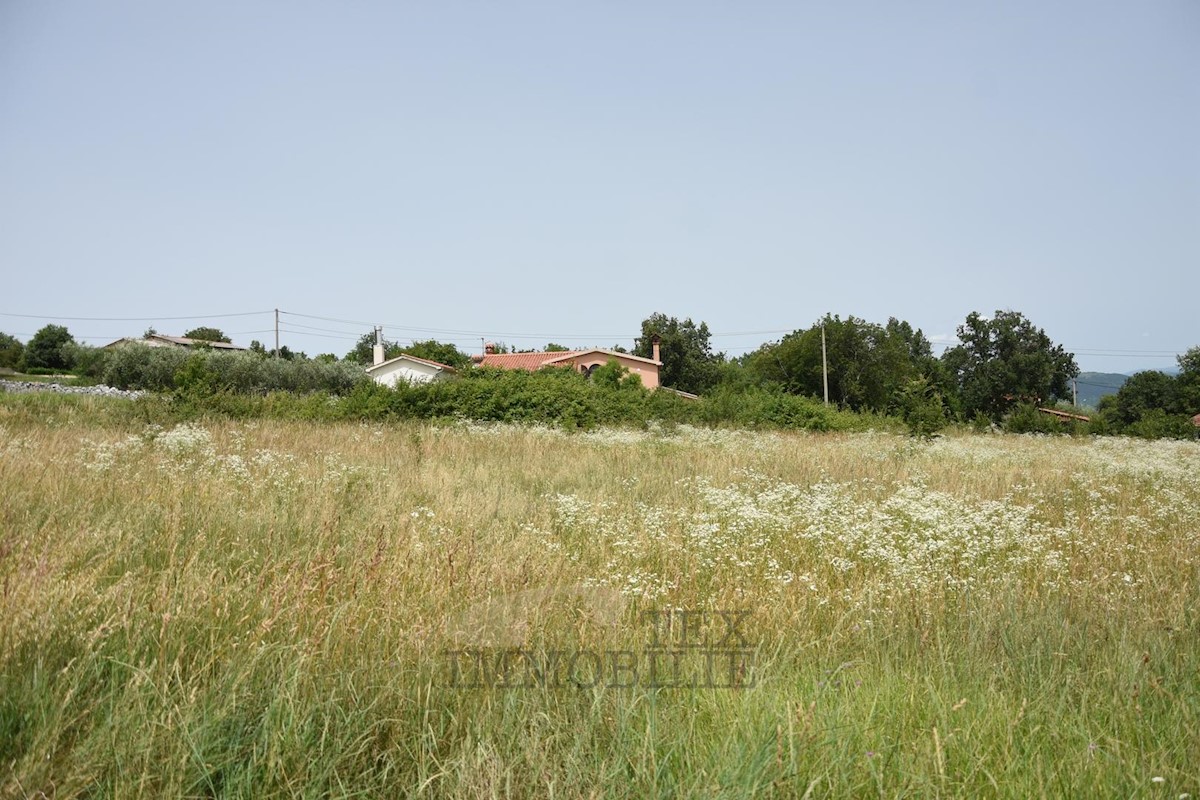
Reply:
x=409 y=369
x=162 y=340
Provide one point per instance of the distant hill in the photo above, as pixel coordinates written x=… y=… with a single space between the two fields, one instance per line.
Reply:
x=1094 y=385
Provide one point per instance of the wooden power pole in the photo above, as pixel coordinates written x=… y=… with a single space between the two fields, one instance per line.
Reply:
x=824 y=365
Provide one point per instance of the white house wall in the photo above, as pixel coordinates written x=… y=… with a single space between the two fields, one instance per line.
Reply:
x=406 y=371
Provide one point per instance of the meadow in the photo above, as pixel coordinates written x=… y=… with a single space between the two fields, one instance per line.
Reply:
x=259 y=608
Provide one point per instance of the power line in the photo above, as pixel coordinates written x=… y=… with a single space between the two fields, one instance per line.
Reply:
x=458 y=332
x=321 y=335
x=133 y=319
x=1117 y=350
x=467 y=335
x=1125 y=355
x=509 y=334
x=326 y=330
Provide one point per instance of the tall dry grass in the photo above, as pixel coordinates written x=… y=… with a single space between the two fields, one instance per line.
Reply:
x=265 y=608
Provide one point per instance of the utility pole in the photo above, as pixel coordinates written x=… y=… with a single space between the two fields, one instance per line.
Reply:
x=277 y=333
x=824 y=365
x=1075 y=392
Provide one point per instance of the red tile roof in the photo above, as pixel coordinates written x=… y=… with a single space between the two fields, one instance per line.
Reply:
x=535 y=361
x=529 y=361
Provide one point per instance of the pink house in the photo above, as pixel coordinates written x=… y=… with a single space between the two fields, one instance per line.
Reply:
x=579 y=360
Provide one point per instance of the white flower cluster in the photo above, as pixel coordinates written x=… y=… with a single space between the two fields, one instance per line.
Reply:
x=1120 y=456
x=762 y=532
x=101 y=456
x=185 y=439
x=11 y=445
x=188 y=449
x=685 y=435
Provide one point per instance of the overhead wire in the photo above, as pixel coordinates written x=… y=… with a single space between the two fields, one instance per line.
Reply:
x=468 y=336
x=134 y=319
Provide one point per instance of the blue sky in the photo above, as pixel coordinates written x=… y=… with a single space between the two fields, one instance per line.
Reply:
x=557 y=172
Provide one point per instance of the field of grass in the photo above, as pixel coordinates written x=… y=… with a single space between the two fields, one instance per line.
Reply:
x=270 y=608
x=65 y=380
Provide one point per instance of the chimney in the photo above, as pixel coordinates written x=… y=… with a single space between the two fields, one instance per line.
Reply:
x=655 y=341
x=377 y=353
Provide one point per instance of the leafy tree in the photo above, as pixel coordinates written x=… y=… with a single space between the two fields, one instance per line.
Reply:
x=1140 y=394
x=364 y=351
x=46 y=350
x=207 y=334
x=11 y=350
x=869 y=364
x=1158 y=424
x=287 y=354
x=1187 y=383
x=689 y=364
x=85 y=360
x=1153 y=404
x=1006 y=360
x=1189 y=362
x=257 y=347
x=431 y=349
x=441 y=352
x=555 y=348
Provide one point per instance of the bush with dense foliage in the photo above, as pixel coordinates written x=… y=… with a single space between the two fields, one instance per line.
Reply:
x=161 y=369
x=1153 y=404
x=1005 y=361
x=921 y=408
x=11 y=350
x=868 y=363
x=208 y=334
x=1025 y=418
x=49 y=349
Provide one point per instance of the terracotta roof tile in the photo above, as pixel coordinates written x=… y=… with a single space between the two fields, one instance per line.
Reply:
x=535 y=361
x=529 y=361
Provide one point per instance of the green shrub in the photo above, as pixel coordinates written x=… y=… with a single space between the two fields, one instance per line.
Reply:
x=245 y=385
x=1025 y=418
x=11 y=350
x=1158 y=424
x=137 y=366
x=48 y=349
x=921 y=408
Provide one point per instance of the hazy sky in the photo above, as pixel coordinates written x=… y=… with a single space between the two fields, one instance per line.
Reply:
x=562 y=170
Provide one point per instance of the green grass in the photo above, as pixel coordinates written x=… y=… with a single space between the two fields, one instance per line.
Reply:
x=65 y=380
x=262 y=608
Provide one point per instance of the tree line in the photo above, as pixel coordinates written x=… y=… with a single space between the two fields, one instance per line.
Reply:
x=1001 y=363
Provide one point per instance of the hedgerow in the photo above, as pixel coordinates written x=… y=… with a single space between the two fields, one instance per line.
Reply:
x=163 y=369
x=194 y=383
